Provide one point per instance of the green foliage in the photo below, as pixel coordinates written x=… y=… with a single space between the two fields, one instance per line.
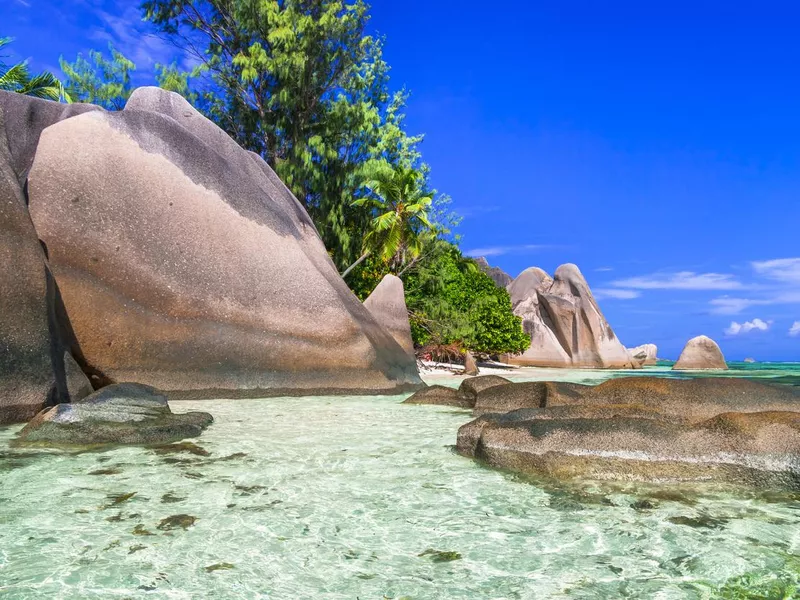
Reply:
x=170 y=77
x=300 y=83
x=450 y=300
x=17 y=78
x=399 y=210
x=98 y=80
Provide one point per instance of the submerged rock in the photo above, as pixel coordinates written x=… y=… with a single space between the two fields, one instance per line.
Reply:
x=125 y=413
x=700 y=353
x=641 y=429
x=565 y=323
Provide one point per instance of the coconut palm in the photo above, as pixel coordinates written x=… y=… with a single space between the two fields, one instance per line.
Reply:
x=17 y=78
x=401 y=207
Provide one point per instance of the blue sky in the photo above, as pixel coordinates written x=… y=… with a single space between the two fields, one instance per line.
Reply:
x=657 y=147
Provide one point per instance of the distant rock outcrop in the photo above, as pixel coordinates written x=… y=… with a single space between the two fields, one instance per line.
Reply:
x=645 y=354
x=700 y=353
x=500 y=277
x=387 y=303
x=565 y=323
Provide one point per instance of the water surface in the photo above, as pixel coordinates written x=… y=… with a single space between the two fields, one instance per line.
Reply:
x=363 y=497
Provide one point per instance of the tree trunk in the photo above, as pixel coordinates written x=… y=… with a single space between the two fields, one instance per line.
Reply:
x=355 y=264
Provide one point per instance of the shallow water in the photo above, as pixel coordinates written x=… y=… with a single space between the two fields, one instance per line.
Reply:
x=342 y=497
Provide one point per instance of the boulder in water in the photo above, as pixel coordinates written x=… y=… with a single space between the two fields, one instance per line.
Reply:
x=701 y=353
x=641 y=429
x=644 y=355
x=125 y=413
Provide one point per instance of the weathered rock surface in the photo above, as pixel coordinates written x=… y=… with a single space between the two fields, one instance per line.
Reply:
x=184 y=263
x=641 y=429
x=701 y=353
x=439 y=395
x=387 y=303
x=645 y=355
x=31 y=347
x=464 y=397
x=126 y=413
x=500 y=277
x=78 y=385
x=470 y=366
x=565 y=323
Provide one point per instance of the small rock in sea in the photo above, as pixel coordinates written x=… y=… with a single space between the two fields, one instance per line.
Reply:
x=169 y=498
x=136 y=548
x=219 y=567
x=111 y=471
x=234 y=456
x=440 y=556
x=702 y=521
x=644 y=504
x=117 y=499
x=247 y=490
x=176 y=522
x=140 y=530
x=187 y=447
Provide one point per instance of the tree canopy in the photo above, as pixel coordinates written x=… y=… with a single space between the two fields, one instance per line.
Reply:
x=18 y=78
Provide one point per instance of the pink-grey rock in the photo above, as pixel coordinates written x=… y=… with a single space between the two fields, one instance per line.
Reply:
x=127 y=413
x=700 y=353
x=387 y=303
x=31 y=341
x=565 y=323
x=645 y=355
x=470 y=366
x=185 y=264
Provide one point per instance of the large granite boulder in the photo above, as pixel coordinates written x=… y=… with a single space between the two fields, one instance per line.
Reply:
x=756 y=449
x=641 y=428
x=32 y=370
x=701 y=353
x=185 y=264
x=500 y=277
x=126 y=413
x=692 y=399
x=565 y=323
x=645 y=355
x=387 y=303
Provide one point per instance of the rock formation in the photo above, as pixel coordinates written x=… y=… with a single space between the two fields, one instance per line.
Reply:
x=125 y=413
x=169 y=256
x=500 y=277
x=644 y=355
x=564 y=321
x=387 y=303
x=464 y=397
x=700 y=353
x=470 y=366
x=641 y=429
x=32 y=370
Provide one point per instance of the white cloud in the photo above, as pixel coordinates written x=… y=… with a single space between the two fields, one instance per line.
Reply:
x=684 y=280
x=748 y=326
x=604 y=269
x=733 y=306
x=794 y=330
x=500 y=250
x=786 y=270
x=601 y=293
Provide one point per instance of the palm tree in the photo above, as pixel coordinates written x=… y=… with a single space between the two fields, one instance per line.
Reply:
x=401 y=207
x=18 y=78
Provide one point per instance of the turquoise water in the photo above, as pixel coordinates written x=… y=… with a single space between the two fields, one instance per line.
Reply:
x=353 y=498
